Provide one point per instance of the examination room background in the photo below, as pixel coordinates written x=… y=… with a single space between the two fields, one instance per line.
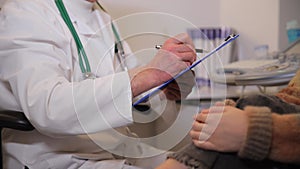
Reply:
x=259 y=22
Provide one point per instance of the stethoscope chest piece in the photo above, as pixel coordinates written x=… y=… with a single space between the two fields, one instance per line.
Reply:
x=89 y=75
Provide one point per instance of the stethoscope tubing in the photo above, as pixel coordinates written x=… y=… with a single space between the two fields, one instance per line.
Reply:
x=81 y=52
x=83 y=59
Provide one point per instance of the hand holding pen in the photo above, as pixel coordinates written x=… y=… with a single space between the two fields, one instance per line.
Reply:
x=177 y=54
x=179 y=48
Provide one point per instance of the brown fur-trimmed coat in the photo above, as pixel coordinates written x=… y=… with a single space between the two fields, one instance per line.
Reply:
x=286 y=128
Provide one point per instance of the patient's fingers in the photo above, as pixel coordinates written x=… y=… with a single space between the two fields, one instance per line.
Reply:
x=197 y=126
x=219 y=103
x=194 y=134
x=201 y=117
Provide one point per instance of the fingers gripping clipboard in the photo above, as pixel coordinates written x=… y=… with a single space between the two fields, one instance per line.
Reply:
x=145 y=98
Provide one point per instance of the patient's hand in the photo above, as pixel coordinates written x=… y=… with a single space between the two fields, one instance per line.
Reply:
x=220 y=128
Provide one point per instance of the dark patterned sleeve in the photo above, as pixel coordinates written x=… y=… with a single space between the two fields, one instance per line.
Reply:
x=194 y=157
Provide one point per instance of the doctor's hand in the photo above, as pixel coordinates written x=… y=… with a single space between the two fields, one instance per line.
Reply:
x=181 y=87
x=176 y=54
x=220 y=128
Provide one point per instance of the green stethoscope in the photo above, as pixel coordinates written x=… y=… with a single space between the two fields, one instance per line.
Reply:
x=83 y=59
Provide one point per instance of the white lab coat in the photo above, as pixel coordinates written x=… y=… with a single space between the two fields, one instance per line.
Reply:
x=40 y=75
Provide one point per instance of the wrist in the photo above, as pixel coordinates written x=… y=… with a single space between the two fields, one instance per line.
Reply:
x=259 y=135
x=144 y=78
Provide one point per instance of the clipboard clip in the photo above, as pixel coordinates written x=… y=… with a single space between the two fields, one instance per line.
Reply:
x=230 y=37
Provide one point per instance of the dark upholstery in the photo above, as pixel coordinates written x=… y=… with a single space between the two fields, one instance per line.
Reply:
x=13 y=120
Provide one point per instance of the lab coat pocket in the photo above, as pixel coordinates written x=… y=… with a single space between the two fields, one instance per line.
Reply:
x=84 y=29
x=130 y=145
x=99 y=161
x=93 y=156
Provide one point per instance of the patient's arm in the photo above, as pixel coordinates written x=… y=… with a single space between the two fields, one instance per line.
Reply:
x=285 y=145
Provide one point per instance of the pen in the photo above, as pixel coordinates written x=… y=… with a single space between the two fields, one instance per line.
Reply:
x=197 y=50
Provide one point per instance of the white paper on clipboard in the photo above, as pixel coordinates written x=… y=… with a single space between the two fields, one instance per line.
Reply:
x=145 y=98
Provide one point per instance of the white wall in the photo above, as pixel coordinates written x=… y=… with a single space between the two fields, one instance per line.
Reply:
x=257 y=21
x=199 y=12
x=168 y=17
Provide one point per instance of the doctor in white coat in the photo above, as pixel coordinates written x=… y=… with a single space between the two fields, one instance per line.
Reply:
x=72 y=103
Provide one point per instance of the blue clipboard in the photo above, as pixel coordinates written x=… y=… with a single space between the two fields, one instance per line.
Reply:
x=145 y=98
